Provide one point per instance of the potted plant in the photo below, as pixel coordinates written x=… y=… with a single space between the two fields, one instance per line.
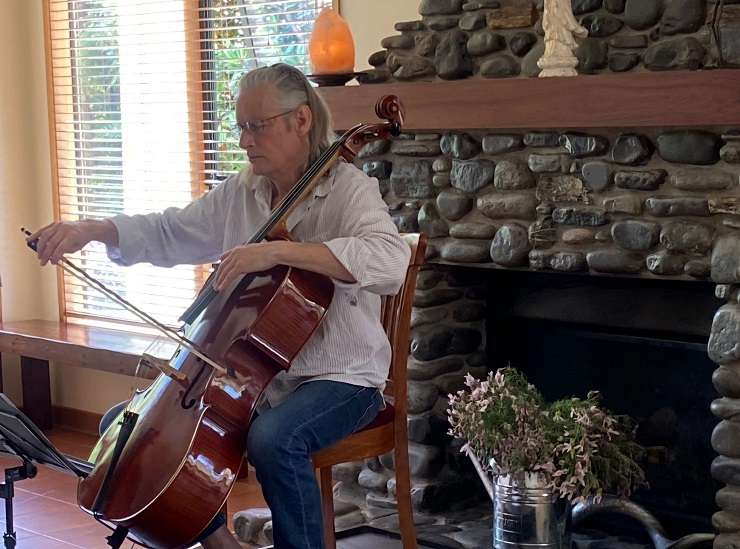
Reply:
x=542 y=456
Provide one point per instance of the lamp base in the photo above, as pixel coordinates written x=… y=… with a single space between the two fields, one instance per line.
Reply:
x=336 y=79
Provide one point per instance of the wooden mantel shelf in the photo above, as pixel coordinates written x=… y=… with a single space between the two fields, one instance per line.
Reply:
x=627 y=100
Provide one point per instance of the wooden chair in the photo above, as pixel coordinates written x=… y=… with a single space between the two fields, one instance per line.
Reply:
x=389 y=430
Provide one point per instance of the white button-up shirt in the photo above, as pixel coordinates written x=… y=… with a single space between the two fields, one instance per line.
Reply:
x=346 y=213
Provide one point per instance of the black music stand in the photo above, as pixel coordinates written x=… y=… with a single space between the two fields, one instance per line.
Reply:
x=21 y=438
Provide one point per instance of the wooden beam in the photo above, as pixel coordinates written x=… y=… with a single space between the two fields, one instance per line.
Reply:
x=627 y=100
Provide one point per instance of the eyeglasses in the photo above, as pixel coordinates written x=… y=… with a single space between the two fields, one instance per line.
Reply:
x=256 y=127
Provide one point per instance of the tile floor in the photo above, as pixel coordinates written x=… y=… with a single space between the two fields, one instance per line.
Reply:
x=45 y=510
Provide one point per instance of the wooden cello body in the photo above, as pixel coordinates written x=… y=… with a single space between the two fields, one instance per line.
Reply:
x=165 y=467
x=183 y=456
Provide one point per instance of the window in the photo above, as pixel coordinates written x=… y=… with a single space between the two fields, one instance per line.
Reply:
x=143 y=97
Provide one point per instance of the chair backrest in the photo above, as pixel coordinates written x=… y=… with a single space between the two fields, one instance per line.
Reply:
x=396 y=319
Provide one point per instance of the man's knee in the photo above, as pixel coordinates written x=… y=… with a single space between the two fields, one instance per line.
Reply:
x=268 y=442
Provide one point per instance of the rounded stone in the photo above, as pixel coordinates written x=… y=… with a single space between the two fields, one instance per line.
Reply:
x=726 y=439
x=601 y=25
x=516 y=205
x=378 y=58
x=500 y=66
x=728 y=498
x=631 y=149
x=430 y=222
x=624 y=203
x=441 y=180
x=412 y=179
x=433 y=342
x=726 y=260
x=615 y=261
x=485 y=42
x=406 y=221
x=666 y=207
x=547 y=162
x=521 y=43
x=425 y=370
x=451 y=58
x=459 y=146
x=380 y=169
x=726 y=408
x=592 y=55
x=466 y=251
x=581 y=145
x=679 y=53
x=646 y=180
x=622 y=62
x=372 y=480
x=578 y=236
x=589 y=217
x=730 y=153
x=726 y=470
x=698 y=268
x=597 y=175
x=510 y=175
x=510 y=246
x=568 y=262
x=403 y=41
x=635 y=235
x=689 y=147
x=428 y=279
x=473 y=230
x=440 y=7
x=703 y=180
x=614 y=6
x=686 y=237
x=442 y=165
x=421 y=397
x=420 y=317
x=724 y=341
x=726 y=379
x=642 y=14
x=542 y=139
x=663 y=263
x=728 y=523
x=501 y=143
x=453 y=204
x=683 y=16
x=471 y=175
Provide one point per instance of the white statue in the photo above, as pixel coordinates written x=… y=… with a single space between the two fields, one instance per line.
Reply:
x=561 y=29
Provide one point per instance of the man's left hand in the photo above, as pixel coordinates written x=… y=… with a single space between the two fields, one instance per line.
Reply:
x=250 y=258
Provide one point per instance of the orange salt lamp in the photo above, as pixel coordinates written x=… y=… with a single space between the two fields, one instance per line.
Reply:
x=331 y=48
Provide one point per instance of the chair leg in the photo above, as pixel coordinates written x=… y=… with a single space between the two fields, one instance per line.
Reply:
x=327 y=507
x=403 y=497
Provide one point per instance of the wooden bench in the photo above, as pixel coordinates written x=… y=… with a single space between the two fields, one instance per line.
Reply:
x=39 y=341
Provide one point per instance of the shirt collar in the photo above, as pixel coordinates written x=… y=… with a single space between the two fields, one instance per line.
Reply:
x=262 y=189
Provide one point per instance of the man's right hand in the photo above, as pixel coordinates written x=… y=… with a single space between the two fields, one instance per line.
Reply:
x=59 y=238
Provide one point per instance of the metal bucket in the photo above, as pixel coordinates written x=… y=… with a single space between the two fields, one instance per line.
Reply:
x=527 y=514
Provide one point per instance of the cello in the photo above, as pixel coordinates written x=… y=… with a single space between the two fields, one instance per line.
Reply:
x=164 y=469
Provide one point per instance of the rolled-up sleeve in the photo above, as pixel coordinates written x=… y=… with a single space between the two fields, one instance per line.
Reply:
x=190 y=235
x=369 y=245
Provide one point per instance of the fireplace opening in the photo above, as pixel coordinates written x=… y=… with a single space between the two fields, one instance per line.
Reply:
x=643 y=344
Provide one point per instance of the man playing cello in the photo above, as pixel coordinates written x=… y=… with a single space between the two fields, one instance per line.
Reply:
x=343 y=231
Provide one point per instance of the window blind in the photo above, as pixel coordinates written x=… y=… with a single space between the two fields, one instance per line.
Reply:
x=143 y=110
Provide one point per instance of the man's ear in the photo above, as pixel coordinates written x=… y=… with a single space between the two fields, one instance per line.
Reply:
x=304 y=120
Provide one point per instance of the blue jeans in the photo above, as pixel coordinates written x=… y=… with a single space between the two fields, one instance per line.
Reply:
x=279 y=446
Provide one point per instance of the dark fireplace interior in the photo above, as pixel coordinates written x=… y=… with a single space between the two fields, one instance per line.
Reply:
x=643 y=344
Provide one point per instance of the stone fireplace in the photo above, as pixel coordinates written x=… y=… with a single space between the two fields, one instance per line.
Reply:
x=589 y=258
